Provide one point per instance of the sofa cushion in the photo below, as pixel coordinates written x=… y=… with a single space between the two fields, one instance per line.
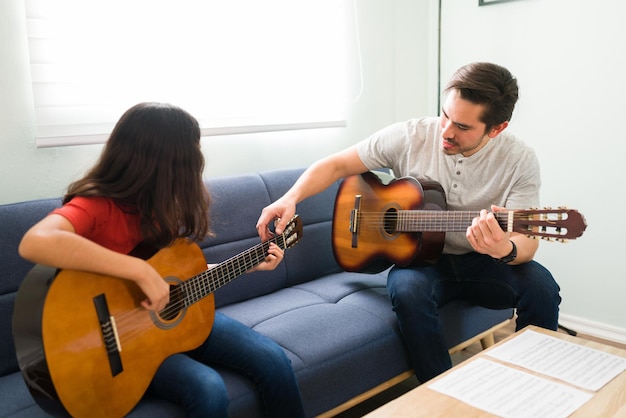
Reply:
x=328 y=326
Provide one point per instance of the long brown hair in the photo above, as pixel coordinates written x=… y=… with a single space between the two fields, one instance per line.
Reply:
x=152 y=165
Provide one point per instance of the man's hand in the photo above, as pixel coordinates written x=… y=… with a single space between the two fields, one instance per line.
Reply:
x=281 y=212
x=486 y=235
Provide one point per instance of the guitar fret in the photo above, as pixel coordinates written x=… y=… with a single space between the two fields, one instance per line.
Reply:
x=445 y=221
x=192 y=290
x=434 y=221
x=207 y=282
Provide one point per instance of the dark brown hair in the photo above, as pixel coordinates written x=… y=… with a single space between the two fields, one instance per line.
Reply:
x=152 y=165
x=490 y=85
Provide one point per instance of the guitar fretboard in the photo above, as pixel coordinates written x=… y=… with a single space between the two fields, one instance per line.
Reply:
x=217 y=276
x=207 y=282
x=442 y=221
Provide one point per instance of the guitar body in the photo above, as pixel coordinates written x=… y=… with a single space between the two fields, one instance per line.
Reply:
x=64 y=351
x=377 y=243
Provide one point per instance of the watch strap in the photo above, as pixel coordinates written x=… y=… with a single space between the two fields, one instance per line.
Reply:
x=509 y=257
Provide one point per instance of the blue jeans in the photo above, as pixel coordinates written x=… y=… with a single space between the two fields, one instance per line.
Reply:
x=189 y=380
x=417 y=292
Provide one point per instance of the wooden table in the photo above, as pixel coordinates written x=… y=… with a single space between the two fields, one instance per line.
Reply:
x=608 y=402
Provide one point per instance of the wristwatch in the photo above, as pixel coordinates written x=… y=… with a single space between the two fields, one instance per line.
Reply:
x=508 y=258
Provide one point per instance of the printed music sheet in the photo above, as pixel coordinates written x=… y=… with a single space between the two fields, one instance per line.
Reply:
x=573 y=363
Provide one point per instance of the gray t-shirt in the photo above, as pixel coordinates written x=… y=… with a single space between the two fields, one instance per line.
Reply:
x=505 y=172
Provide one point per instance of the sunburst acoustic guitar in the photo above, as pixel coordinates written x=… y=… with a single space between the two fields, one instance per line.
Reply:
x=87 y=348
x=404 y=222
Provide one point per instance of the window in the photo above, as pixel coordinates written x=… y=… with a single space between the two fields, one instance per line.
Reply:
x=237 y=65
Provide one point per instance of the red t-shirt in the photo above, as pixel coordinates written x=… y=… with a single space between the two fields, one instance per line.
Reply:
x=102 y=221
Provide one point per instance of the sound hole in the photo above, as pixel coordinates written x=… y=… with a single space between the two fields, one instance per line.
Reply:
x=390 y=222
x=172 y=309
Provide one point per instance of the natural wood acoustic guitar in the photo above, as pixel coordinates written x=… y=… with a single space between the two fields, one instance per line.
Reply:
x=87 y=348
x=404 y=222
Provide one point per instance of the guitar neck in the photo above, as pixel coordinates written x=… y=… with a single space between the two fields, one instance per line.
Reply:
x=446 y=221
x=209 y=281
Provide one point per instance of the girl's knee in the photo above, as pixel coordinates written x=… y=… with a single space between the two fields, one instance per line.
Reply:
x=205 y=394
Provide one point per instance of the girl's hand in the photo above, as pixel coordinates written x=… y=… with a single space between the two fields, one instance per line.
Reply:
x=156 y=289
x=273 y=259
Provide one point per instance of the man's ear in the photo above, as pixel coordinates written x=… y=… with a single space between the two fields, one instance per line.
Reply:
x=495 y=130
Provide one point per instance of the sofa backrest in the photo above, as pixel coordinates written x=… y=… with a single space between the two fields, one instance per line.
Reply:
x=236 y=206
x=15 y=220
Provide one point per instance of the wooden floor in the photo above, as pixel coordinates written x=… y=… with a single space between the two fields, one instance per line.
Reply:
x=405 y=386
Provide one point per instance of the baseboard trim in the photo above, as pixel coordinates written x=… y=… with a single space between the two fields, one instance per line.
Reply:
x=593 y=328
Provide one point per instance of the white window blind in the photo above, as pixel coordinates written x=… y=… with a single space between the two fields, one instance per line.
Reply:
x=236 y=65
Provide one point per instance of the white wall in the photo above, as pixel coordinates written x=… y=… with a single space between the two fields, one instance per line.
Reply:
x=395 y=85
x=568 y=56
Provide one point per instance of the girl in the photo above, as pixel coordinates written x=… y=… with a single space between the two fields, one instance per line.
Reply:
x=147 y=187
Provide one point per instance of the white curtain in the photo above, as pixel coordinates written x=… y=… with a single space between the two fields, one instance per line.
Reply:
x=237 y=65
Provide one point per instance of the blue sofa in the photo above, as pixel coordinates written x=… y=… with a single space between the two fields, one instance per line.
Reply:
x=337 y=327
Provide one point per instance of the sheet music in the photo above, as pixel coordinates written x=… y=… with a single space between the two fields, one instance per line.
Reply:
x=508 y=392
x=573 y=363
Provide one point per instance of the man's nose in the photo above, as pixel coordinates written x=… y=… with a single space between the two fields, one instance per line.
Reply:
x=447 y=130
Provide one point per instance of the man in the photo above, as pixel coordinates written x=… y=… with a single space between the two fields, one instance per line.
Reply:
x=480 y=167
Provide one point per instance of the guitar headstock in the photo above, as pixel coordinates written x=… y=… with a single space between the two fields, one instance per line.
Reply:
x=559 y=224
x=292 y=233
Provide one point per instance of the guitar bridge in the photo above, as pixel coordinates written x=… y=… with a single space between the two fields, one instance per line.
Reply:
x=354 y=220
x=109 y=334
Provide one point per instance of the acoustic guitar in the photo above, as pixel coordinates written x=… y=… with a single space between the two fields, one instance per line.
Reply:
x=404 y=222
x=87 y=348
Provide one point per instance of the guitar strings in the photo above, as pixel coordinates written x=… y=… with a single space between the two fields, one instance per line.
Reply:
x=132 y=322
x=208 y=281
x=195 y=288
x=205 y=283
x=443 y=217
x=452 y=214
x=422 y=221
x=545 y=223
